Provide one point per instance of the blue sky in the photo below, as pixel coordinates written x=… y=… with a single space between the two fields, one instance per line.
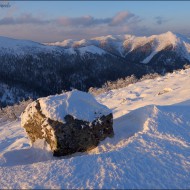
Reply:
x=48 y=21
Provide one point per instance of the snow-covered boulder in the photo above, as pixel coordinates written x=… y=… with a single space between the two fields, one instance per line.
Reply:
x=70 y=122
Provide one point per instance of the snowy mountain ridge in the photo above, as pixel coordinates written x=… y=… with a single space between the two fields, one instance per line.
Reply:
x=20 y=47
x=124 y=44
x=121 y=45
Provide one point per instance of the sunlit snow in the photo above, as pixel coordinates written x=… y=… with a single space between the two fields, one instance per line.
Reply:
x=150 y=148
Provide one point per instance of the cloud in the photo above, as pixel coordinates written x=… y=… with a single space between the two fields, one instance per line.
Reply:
x=63 y=27
x=121 y=18
x=81 y=21
x=160 y=20
x=22 y=19
x=85 y=21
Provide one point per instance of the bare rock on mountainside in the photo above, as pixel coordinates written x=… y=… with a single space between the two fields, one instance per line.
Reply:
x=71 y=122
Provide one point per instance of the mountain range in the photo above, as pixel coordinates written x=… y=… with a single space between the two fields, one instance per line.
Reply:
x=127 y=46
x=49 y=68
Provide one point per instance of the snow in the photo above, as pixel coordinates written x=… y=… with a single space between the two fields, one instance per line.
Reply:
x=82 y=42
x=64 y=43
x=28 y=113
x=150 y=148
x=21 y=47
x=105 y=38
x=70 y=51
x=164 y=40
x=80 y=105
x=124 y=44
x=84 y=50
x=91 y=49
x=157 y=42
x=119 y=44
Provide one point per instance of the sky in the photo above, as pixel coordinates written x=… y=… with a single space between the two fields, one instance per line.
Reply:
x=50 y=21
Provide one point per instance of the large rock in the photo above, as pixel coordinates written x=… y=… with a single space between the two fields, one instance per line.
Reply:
x=70 y=122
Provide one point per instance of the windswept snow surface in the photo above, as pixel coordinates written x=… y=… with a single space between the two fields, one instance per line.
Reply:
x=150 y=149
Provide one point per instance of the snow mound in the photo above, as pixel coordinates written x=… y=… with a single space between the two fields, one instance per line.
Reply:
x=169 y=123
x=80 y=105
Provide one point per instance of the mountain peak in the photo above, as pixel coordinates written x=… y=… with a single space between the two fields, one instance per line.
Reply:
x=104 y=38
x=169 y=38
x=170 y=33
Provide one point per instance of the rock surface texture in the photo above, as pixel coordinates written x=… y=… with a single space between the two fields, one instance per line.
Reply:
x=70 y=122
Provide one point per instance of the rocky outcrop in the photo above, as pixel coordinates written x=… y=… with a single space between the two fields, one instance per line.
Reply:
x=70 y=135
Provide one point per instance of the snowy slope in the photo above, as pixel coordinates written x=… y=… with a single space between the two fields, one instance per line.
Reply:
x=91 y=49
x=150 y=148
x=21 y=47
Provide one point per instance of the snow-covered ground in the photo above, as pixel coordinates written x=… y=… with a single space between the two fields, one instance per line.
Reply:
x=150 y=149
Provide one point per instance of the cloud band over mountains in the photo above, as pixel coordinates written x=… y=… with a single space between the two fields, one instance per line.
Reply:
x=123 y=17
x=43 y=29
